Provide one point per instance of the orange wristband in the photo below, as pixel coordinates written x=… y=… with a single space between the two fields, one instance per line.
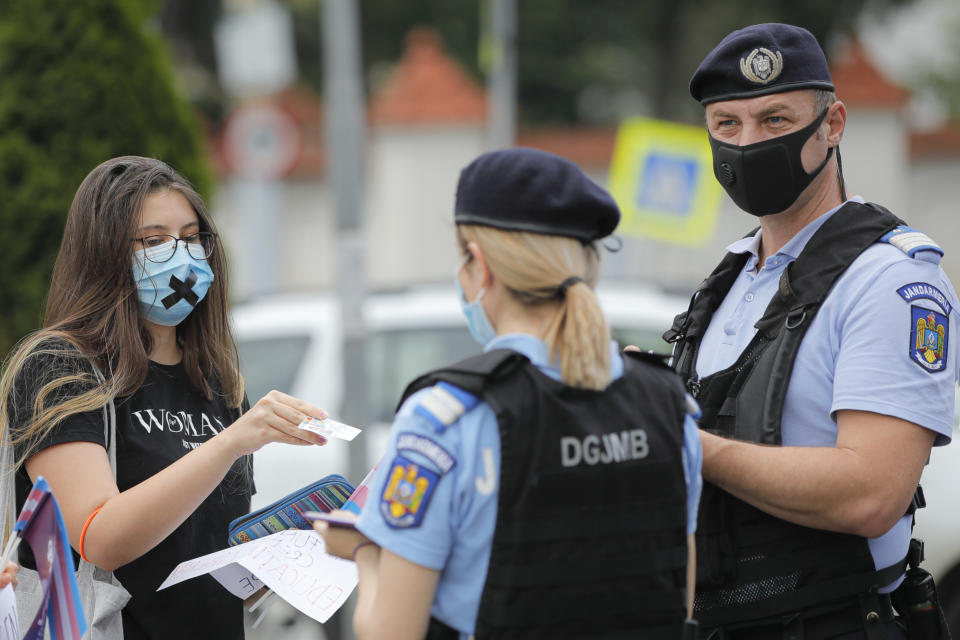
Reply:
x=83 y=532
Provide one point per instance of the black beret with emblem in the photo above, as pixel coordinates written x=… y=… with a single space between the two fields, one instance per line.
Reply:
x=523 y=189
x=759 y=60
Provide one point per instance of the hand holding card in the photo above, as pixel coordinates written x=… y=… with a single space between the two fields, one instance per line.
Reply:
x=329 y=428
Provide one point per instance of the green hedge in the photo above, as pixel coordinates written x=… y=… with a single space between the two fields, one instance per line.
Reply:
x=81 y=82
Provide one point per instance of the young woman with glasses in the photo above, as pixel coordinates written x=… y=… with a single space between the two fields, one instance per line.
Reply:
x=137 y=315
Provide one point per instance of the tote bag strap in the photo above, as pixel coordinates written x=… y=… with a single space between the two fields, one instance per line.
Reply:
x=8 y=511
x=110 y=436
x=109 y=428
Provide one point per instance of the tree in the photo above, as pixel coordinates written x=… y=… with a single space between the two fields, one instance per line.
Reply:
x=604 y=59
x=83 y=82
x=578 y=60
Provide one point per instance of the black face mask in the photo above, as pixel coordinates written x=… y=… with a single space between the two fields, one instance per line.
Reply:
x=766 y=177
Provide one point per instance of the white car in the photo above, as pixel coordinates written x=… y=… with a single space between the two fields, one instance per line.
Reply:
x=293 y=344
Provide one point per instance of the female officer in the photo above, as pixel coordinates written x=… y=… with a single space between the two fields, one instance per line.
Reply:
x=547 y=487
x=136 y=320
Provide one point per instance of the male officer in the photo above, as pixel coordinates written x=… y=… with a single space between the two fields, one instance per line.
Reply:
x=828 y=333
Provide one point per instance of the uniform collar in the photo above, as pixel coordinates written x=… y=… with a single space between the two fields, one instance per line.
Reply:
x=536 y=351
x=792 y=249
x=533 y=348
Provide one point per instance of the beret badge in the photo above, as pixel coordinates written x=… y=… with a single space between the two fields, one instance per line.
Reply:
x=762 y=65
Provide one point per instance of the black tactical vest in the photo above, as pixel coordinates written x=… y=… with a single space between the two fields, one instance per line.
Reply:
x=751 y=565
x=590 y=538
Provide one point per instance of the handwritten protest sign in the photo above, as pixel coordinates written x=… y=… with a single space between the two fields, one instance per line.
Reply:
x=9 y=626
x=294 y=563
x=238 y=580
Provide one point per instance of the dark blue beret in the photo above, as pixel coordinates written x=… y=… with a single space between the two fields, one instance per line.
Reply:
x=759 y=60
x=529 y=190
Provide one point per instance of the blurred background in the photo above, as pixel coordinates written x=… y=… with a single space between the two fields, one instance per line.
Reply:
x=327 y=137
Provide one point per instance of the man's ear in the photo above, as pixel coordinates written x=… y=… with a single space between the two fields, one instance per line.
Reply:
x=836 y=122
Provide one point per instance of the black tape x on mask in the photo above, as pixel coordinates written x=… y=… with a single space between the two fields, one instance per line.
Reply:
x=766 y=177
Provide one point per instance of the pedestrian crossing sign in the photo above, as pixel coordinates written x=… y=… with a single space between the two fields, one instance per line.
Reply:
x=662 y=179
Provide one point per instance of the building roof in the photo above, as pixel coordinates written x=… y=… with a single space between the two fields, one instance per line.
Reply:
x=427 y=86
x=860 y=83
x=939 y=143
x=591 y=148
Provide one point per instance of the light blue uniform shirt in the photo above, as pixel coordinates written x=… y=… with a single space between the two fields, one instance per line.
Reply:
x=859 y=352
x=457 y=519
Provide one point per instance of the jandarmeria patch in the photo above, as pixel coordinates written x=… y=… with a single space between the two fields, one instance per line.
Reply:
x=407 y=493
x=922 y=290
x=929 y=332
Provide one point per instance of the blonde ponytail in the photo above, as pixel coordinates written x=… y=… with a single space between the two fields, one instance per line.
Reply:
x=532 y=266
x=579 y=339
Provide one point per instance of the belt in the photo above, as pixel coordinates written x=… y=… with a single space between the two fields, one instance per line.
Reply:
x=808 y=625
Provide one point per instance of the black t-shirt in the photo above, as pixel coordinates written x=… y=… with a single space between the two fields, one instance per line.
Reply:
x=162 y=421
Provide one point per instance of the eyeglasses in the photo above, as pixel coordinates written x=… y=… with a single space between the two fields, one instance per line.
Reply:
x=162 y=247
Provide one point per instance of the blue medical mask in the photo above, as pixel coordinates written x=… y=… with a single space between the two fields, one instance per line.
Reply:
x=169 y=291
x=477 y=321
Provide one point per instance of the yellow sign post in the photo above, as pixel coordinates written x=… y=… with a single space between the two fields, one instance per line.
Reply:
x=662 y=179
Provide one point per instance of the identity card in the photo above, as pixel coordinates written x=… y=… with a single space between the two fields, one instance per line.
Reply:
x=329 y=428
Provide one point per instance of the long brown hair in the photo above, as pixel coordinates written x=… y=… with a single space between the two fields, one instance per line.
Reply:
x=532 y=266
x=92 y=312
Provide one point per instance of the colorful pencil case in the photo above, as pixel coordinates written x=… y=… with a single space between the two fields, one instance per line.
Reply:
x=324 y=495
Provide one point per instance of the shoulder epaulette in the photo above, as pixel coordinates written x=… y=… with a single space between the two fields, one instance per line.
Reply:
x=444 y=404
x=910 y=241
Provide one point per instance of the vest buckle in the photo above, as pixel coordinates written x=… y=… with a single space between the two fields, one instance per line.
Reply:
x=795 y=318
